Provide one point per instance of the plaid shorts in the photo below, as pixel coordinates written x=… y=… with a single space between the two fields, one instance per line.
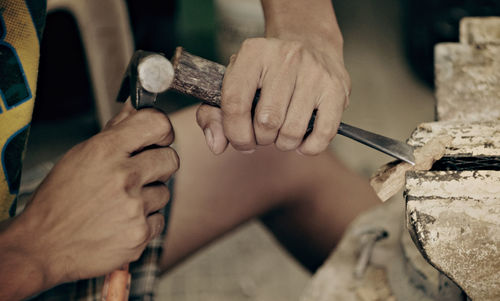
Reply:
x=144 y=271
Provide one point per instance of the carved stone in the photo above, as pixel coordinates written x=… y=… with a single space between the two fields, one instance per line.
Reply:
x=468 y=73
x=454 y=218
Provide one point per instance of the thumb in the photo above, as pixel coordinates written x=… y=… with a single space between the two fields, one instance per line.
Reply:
x=210 y=121
x=126 y=111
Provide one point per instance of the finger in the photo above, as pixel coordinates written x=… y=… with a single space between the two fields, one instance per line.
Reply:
x=155 y=165
x=277 y=89
x=144 y=128
x=209 y=119
x=325 y=126
x=126 y=111
x=297 y=118
x=241 y=80
x=156 y=223
x=155 y=197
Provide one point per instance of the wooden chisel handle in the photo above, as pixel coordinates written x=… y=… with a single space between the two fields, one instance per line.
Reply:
x=197 y=77
x=202 y=78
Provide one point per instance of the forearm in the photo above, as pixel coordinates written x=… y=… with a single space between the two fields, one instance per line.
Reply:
x=20 y=275
x=314 y=19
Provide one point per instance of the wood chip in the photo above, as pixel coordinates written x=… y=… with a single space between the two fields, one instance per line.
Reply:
x=390 y=178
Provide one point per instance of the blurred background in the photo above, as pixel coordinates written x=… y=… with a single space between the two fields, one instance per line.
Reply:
x=388 y=52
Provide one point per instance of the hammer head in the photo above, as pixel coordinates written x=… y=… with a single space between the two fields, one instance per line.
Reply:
x=148 y=75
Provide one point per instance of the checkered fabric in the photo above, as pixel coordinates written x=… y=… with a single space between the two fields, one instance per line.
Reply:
x=144 y=271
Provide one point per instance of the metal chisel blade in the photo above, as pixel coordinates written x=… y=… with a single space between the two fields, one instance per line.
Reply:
x=394 y=148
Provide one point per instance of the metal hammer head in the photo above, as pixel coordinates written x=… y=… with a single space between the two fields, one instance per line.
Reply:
x=148 y=75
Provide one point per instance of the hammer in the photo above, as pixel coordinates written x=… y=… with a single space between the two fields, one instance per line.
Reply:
x=149 y=75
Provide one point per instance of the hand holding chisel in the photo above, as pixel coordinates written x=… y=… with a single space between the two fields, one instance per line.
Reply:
x=151 y=74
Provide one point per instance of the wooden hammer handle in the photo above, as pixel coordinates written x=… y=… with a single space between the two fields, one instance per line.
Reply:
x=116 y=285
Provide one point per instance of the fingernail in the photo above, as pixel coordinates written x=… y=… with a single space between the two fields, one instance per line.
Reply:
x=209 y=138
x=248 y=152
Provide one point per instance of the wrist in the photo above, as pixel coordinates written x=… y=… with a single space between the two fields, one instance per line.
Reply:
x=313 y=23
x=324 y=33
x=22 y=269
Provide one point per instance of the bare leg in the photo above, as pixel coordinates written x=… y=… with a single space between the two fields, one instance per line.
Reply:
x=307 y=202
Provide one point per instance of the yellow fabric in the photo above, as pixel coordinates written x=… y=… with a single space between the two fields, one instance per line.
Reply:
x=20 y=33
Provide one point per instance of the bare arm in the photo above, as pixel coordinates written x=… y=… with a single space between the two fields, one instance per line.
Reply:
x=299 y=68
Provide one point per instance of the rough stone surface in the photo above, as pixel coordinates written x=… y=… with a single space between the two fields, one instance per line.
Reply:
x=386 y=276
x=469 y=139
x=423 y=275
x=480 y=31
x=468 y=73
x=451 y=214
x=454 y=218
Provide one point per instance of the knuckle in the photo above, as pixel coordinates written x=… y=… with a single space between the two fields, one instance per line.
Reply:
x=292 y=131
x=252 y=43
x=162 y=122
x=140 y=233
x=232 y=102
x=136 y=254
x=126 y=177
x=311 y=151
x=133 y=208
x=286 y=145
x=163 y=195
x=347 y=101
x=202 y=113
x=241 y=144
x=157 y=121
x=269 y=119
x=110 y=123
x=166 y=196
x=293 y=51
x=102 y=144
x=347 y=90
x=172 y=158
x=325 y=133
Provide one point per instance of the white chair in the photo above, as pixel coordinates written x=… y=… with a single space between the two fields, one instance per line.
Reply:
x=108 y=44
